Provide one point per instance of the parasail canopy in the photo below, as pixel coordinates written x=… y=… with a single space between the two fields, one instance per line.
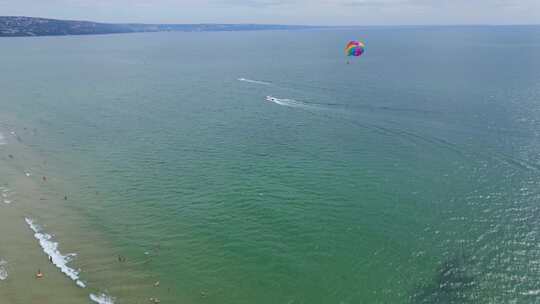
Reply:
x=355 y=48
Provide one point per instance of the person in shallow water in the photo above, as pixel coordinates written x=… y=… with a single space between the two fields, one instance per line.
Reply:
x=39 y=274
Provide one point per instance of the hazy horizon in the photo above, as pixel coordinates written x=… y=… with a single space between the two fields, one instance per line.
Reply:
x=286 y=24
x=297 y=12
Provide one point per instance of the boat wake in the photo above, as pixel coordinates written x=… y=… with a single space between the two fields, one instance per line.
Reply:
x=254 y=81
x=50 y=247
x=283 y=101
x=294 y=103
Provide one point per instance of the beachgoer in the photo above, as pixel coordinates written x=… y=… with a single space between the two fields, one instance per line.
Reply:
x=39 y=274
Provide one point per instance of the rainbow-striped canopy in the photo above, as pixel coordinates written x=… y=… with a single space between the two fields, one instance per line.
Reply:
x=355 y=48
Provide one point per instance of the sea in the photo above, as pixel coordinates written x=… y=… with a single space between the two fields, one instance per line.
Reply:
x=267 y=167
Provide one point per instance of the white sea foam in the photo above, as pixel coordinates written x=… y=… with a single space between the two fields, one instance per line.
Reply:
x=50 y=247
x=5 y=194
x=3 y=270
x=102 y=298
x=534 y=292
x=2 y=139
x=254 y=81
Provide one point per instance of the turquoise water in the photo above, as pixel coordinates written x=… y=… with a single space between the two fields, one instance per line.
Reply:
x=408 y=176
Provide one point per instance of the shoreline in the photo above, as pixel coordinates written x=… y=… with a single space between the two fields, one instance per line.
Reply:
x=46 y=218
x=24 y=197
x=30 y=248
x=48 y=232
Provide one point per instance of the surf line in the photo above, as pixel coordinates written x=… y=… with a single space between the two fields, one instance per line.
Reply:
x=102 y=298
x=3 y=270
x=50 y=247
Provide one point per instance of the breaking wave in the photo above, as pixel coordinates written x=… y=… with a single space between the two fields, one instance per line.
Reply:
x=50 y=247
x=5 y=195
x=102 y=298
x=254 y=81
x=3 y=270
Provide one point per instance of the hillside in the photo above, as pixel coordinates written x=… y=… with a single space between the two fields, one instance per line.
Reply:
x=29 y=26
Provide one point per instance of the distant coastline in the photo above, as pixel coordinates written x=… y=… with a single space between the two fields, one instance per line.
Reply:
x=12 y=26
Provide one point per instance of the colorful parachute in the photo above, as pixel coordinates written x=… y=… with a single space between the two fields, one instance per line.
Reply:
x=355 y=48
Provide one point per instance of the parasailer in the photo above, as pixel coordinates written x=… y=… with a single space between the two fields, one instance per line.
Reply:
x=355 y=49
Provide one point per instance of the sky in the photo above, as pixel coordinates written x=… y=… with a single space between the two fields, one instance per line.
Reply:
x=314 y=12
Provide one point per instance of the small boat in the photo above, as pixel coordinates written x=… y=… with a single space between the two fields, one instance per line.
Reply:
x=271 y=99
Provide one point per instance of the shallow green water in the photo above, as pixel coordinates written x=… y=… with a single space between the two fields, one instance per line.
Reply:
x=410 y=175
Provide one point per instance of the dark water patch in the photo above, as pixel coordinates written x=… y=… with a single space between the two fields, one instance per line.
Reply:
x=454 y=282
